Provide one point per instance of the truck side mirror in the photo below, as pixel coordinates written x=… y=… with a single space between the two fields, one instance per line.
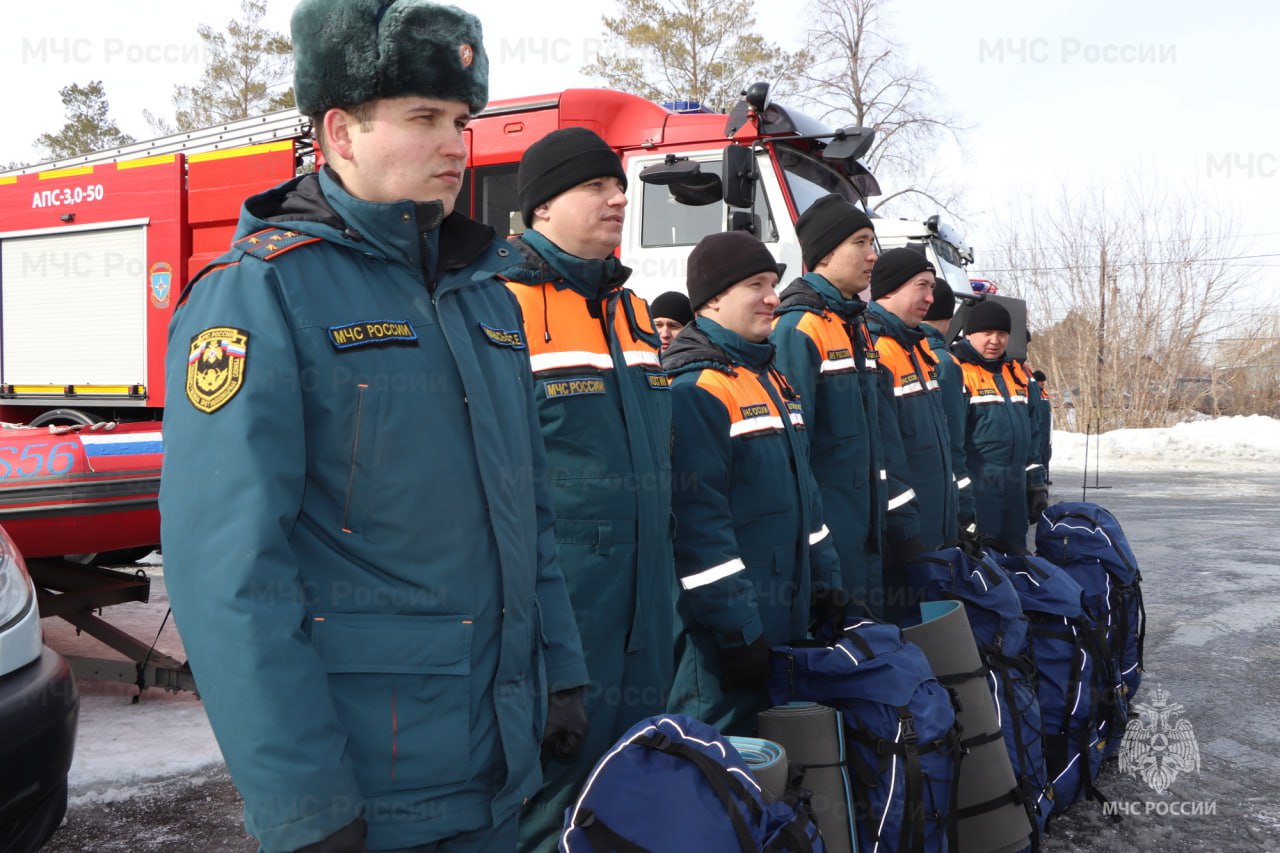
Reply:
x=738 y=176
x=742 y=220
x=685 y=180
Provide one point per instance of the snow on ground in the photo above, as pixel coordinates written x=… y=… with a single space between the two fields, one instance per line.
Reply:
x=122 y=744
x=1251 y=443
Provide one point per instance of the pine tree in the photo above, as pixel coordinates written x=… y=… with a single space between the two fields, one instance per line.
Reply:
x=89 y=126
x=699 y=50
x=249 y=71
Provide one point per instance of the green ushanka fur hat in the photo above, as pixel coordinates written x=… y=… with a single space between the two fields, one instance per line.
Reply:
x=347 y=52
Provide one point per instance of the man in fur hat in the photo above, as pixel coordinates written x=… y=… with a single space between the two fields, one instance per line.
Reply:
x=358 y=538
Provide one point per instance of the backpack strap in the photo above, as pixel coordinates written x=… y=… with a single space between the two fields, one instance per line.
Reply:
x=722 y=783
x=913 y=830
x=602 y=837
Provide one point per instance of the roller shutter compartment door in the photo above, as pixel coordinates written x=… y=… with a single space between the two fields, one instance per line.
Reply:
x=74 y=308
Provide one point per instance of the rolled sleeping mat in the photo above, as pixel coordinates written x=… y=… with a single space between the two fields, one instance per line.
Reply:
x=767 y=761
x=813 y=737
x=991 y=817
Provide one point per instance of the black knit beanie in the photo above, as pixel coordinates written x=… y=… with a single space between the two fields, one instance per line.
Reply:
x=826 y=224
x=987 y=316
x=895 y=268
x=721 y=260
x=560 y=161
x=674 y=306
x=944 y=301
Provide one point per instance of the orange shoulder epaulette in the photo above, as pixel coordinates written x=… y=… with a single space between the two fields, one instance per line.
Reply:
x=266 y=245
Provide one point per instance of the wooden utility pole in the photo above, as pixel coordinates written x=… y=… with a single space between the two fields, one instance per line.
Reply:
x=1102 y=329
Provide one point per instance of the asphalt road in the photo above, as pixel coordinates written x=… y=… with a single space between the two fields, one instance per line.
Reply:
x=1209 y=549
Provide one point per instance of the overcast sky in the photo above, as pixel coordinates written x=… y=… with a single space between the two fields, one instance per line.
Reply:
x=1055 y=92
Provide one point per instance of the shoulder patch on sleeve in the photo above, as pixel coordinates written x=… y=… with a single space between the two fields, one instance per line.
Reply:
x=215 y=367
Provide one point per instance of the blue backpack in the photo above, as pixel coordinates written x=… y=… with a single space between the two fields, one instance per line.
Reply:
x=1078 y=702
x=1086 y=541
x=1000 y=630
x=901 y=742
x=674 y=783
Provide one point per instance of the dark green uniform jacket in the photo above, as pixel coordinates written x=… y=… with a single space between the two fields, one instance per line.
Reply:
x=825 y=352
x=1041 y=417
x=605 y=406
x=999 y=445
x=751 y=546
x=359 y=542
x=915 y=412
x=957 y=409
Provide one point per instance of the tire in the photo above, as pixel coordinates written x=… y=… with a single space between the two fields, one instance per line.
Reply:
x=75 y=417
x=30 y=830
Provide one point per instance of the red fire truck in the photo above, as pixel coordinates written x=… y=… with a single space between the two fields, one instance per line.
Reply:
x=94 y=252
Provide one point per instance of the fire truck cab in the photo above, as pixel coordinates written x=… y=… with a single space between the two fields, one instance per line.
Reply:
x=94 y=250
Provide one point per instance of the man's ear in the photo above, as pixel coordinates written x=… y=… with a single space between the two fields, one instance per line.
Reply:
x=338 y=124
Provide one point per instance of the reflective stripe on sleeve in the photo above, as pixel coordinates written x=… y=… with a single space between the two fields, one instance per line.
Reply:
x=902 y=499
x=815 y=538
x=963 y=483
x=713 y=574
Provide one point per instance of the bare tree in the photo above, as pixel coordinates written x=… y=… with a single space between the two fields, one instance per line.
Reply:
x=1127 y=289
x=854 y=71
x=698 y=50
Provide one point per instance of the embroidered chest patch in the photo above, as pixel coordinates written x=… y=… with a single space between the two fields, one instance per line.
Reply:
x=215 y=367
x=758 y=410
x=572 y=387
x=838 y=354
x=659 y=381
x=370 y=332
x=511 y=338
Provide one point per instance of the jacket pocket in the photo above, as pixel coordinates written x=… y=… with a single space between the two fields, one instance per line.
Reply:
x=401 y=689
x=363 y=458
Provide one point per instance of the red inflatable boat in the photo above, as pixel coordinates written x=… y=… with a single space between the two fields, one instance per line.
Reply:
x=80 y=489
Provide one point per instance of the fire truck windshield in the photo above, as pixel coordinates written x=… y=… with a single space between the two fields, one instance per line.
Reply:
x=809 y=179
x=951 y=267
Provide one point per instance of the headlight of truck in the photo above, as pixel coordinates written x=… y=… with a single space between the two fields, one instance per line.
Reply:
x=15 y=587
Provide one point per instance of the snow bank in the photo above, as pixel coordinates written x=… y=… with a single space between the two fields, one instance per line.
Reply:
x=121 y=748
x=1249 y=443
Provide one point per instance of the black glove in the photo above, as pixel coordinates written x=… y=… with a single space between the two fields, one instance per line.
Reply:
x=971 y=541
x=349 y=839
x=829 y=607
x=1037 y=502
x=745 y=667
x=907 y=550
x=566 y=725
